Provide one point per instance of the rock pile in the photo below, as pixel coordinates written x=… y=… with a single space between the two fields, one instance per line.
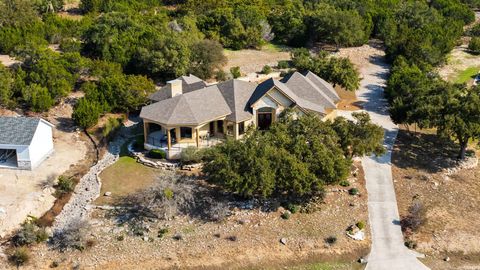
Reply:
x=87 y=189
x=165 y=165
x=468 y=163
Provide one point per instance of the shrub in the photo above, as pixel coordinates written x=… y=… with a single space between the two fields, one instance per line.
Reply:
x=344 y=183
x=267 y=69
x=28 y=234
x=65 y=184
x=86 y=112
x=70 y=45
x=293 y=208
x=191 y=155
x=220 y=76
x=331 y=240
x=283 y=64
x=353 y=191
x=474 y=45
x=411 y=244
x=361 y=225
x=121 y=237
x=285 y=215
x=73 y=235
x=416 y=217
x=162 y=232
x=111 y=127
x=20 y=256
x=157 y=154
x=168 y=193
x=235 y=71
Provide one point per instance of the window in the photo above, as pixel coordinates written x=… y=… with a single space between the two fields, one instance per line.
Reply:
x=241 y=128
x=186 y=132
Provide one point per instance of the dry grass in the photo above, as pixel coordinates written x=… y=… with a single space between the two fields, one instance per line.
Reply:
x=450 y=201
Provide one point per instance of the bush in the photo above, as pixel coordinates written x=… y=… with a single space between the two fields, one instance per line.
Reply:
x=74 y=235
x=191 y=155
x=283 y=64
x=267 y=69
x=111 y=127
x=157 y=154
x=235 y=71
x=361 y=225
x=416 y=217
x=331 y=240
x=353 y=191
x=344 y=183
x=411 y=244
x=293 y=208
x=162 y=232
x=70 y=45
x=20 y=256
x=86 y=112
x=474 y=45
x=65 y=184
x=220 y=76
x=28 y=234
x=285 y=215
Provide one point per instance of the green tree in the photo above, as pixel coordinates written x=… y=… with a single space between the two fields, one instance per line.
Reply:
x=360 y=137
x=207 y=57
x=474 y=45
x=38 y=97
x=6 y=86
x=86 y=112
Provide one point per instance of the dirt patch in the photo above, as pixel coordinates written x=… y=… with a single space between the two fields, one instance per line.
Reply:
x=248 y=238
x=450 y=200
x=251 y=61
x=459 y=62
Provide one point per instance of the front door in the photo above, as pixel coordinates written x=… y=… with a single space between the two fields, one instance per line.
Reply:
x=264 y=120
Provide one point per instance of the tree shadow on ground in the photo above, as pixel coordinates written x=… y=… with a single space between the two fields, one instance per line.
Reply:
x=426 y=152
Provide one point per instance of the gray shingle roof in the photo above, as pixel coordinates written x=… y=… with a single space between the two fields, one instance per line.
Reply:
x=237 y=93
x=192 y=108
x=323 y=85
x=190 y=83
x=17 y=130
x=307 y=90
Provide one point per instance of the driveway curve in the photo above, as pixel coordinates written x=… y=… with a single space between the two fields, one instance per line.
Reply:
x=388 y=250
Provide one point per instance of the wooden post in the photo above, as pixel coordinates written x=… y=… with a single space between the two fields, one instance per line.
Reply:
x=169 y=140
x=197 y=137
x=145 y=131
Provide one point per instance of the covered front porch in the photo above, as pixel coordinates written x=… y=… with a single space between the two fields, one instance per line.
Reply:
x=173 y=139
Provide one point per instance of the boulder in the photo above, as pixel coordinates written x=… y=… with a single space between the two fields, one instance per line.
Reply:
x=283 y=241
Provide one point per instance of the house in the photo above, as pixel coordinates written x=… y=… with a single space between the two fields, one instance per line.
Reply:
x=188 y=112
x=24 y=142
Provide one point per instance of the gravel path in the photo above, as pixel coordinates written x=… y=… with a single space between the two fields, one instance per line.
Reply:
x=88 y=189
x=388 y=249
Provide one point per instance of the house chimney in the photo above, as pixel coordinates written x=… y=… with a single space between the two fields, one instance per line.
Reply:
x=174 y=88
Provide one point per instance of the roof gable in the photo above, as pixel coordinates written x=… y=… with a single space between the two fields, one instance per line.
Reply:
x=237 y=94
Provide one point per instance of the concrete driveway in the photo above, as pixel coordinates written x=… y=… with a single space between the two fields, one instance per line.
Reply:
x=388 y=249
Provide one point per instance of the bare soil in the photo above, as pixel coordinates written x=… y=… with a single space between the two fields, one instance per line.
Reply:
x=451 y=201
x=252 y=61
x=209 y=245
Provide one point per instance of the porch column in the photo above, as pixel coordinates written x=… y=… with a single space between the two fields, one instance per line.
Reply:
x=145 y=131
x=169 y=140
x=197 y=137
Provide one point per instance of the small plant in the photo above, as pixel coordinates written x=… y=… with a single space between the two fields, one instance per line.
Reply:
x=120 y=237
x=232 y=238
x=474 y=45
x=168 y=193
x=162 y=232
x=361 y=225
x=353 y=191
x=344 y=183
x=283 y=64
x=54 y=264
x=331 y=240
x=416 y=217
x=267 y=69
x=293 y=208
x=20 y=256
x=411 y=244
x=29 y=233
x=220 y=76
x=65 y=184
x=157 y=154
x=235 y=71
x=285 y=215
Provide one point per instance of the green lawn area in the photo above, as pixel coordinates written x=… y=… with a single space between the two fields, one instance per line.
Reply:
x=466 y=75
x=125 y=177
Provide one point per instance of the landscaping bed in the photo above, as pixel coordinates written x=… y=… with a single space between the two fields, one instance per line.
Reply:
x=423 y=171
x=251 y=236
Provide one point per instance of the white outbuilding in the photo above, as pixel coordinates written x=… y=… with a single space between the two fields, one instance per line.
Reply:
x=24 y=142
